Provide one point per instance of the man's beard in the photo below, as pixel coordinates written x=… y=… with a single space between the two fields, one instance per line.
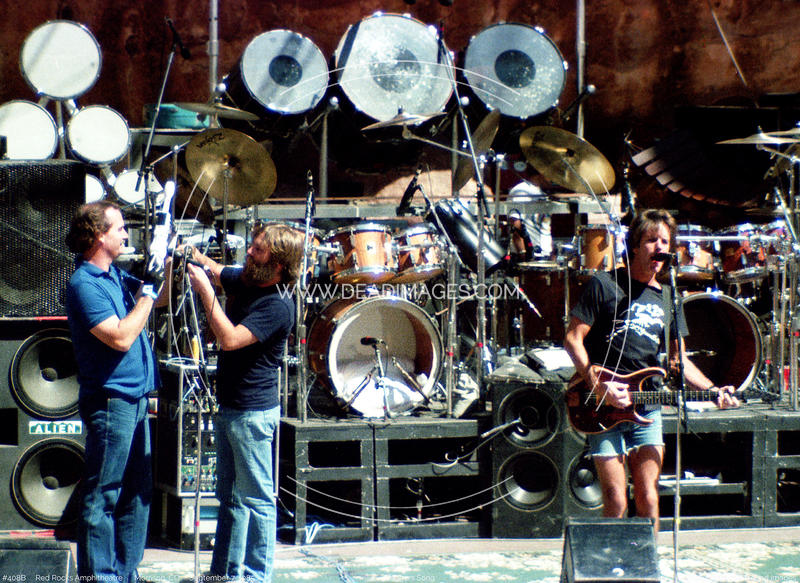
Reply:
x=254 y=274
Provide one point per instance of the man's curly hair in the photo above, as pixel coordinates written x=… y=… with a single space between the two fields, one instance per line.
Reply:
x=89 y=221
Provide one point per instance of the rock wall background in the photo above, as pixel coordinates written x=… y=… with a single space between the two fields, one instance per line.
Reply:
x=647 y=58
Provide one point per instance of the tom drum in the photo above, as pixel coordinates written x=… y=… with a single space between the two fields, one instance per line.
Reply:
x=364 y=254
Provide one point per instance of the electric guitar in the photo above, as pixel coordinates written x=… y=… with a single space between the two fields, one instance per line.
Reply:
x=588 y=415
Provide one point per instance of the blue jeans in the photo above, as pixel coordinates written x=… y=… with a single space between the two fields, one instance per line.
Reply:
x=117 y=488
x=627 y=436
x=244 y=544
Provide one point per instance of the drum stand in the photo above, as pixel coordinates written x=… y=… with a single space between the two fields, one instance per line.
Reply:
x=454 y=263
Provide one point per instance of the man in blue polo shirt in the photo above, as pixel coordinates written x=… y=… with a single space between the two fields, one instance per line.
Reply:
x=107 y=310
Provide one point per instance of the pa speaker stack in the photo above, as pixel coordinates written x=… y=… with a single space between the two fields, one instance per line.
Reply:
x=540 y=470
x=41 y=436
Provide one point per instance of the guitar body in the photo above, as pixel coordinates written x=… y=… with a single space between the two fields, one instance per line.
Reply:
x=586 y=416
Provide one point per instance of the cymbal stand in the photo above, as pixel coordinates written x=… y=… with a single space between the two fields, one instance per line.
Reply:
x=454 y=264
x=790 y=283
x=447 y=59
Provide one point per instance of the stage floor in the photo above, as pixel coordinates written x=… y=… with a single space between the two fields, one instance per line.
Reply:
x=730 y=555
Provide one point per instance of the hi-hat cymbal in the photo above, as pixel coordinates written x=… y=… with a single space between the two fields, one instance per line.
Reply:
x=219 y=110
x=402 y=119
x=567 y=159
x=223 y=159
x=482 y=139
x=762 y=139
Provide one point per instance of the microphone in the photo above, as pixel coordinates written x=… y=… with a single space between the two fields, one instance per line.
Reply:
x=664 y=256
x=587 y=91
x=161 y=231
x=176 y=41
x=405 y=202
x=370 y=341
x=310 y=198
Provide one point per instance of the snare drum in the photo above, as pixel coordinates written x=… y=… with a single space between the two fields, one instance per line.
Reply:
x=600 y=248
x=30 y=130
x=742 y=255
x=696 y=259
x=365 y=254
x=60 y=59
x=99 y=135
x=419 y=254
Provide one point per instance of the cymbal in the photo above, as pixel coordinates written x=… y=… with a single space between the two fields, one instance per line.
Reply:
x=403 y=119
x=219 y=110
x=567 y=159
x=482 y=139
x=763 y=139
x=221 y=156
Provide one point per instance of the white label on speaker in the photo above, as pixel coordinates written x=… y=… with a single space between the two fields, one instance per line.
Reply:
x=55 y=427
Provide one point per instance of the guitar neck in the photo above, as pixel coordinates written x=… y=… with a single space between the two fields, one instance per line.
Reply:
x=670 y=397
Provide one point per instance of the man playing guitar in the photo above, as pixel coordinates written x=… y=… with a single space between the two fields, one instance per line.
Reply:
x=618 y=325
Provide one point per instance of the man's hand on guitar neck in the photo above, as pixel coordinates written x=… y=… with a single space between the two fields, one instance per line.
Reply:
x=727 y=398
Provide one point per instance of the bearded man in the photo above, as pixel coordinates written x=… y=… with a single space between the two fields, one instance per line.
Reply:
x=251 y=337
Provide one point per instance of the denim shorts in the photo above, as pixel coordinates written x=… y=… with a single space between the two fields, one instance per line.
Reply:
x=627 y=436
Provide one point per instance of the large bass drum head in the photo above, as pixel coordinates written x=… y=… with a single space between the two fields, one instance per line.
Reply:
x=388 y=63
x=515 y=68
x=284 y=71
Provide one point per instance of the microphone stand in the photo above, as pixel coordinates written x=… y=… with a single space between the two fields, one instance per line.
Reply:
x=144 y=168
x=301 y=346
x=681 y=419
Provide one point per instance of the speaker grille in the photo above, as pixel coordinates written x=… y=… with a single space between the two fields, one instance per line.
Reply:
x=44 y=484
x=37 y=202
x=44 y=375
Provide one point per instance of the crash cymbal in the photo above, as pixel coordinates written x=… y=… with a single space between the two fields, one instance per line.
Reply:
x=482 y=139
x=567 y=159
x=403 y=119
x=795 y=132
x=219 y=110
x=762 y=139
x=216 y=156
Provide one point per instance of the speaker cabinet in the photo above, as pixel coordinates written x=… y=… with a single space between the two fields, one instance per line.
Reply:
x=37 y=204
x=41 y=436
x=33 y=559
x=540 y=471
x=606 y=549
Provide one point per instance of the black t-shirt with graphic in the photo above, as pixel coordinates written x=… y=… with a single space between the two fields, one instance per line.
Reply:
x=627 y=320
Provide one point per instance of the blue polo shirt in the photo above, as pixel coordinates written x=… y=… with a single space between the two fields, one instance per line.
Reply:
x=93 y=296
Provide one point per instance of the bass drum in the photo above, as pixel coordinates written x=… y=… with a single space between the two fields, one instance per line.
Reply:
x=413 y=348
x=724 y=340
